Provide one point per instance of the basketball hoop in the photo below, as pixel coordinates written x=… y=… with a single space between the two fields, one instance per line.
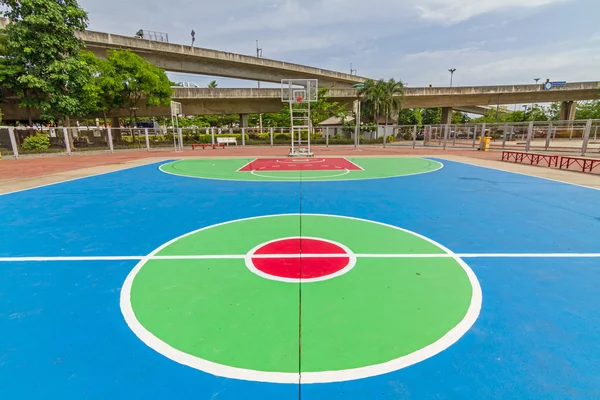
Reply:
x=299 y=99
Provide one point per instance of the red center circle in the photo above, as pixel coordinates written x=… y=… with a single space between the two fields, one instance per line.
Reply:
x=300 y=258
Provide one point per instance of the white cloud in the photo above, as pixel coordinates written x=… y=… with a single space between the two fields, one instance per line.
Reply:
x=414 y=41
x=453 y=11
x=477 y=66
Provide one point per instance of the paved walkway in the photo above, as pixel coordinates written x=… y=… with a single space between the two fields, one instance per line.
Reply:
x=36 y=171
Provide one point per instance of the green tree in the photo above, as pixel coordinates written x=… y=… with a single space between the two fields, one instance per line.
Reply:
x=3 y=43
x=432 y=116
x=140 y=80
x=108 y=86
x=322 y=109
x=393 y=94
x=212 y=85
x=553 y=111
x=410 y=116
x=373 y=96
x=537 y=113
x=41 y=53
x=460 y=117
x=588 y=110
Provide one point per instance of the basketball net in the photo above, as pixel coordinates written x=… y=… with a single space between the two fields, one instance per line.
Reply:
x=299 y=99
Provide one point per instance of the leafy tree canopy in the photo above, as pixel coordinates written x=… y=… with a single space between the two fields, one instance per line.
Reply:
x=41 y=50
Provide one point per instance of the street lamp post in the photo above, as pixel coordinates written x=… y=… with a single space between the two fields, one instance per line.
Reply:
x=498 y=107
x=536 y=82
x=452 y=71
x=259 y=55
x=524 y=112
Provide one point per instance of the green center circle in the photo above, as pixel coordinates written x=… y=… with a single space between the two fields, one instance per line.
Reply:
x=229 y=169
x=195 y=301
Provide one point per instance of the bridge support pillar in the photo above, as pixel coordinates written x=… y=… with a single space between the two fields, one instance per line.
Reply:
x=568 y=109
x=243 y=120
x=446 y=115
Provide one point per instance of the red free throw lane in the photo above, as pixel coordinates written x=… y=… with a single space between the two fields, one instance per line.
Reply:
x=297 y=267
x=318 y=164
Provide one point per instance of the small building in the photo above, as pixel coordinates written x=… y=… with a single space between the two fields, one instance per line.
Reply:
x=332 y=126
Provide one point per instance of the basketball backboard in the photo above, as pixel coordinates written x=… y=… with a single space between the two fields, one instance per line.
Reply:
x=299 y=90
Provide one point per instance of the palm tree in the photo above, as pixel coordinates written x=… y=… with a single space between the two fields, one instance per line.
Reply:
x=392 y=101
x=372 y=95
x=378 y=96
x=212 y=85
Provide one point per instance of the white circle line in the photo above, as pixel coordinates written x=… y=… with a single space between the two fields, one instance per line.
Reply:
x=227 y=371
x=253 y=172
x=160 y=168
x=299 y=160
x=349 y=254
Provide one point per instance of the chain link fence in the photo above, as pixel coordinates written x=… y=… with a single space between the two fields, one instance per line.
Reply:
x=582 y=137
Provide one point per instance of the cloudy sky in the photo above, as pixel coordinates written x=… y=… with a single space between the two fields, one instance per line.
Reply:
x=488 y=41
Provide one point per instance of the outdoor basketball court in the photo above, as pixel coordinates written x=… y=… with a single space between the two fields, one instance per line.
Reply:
x=301 y=278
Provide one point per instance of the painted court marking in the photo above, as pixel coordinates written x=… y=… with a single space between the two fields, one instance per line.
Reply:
x=253 y=172
x=295 y=160
x=300 y=164
x=243 y=256
x=346 y=254
x=451 y=337
x=288 y=180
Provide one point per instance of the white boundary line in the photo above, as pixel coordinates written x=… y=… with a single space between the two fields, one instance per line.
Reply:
x=300 y=178
x=243 y=256
x=239 y=169
x=307 y=377
x=82 y=177
x=297 y=160
x=160 y=168
x=348 y=254
x=361 y=168
x=517 y=173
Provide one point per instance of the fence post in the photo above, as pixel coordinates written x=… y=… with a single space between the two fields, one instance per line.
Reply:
x=67 y=143
x=504 y=136
x=212 y=135
x=180 y=135
x=271 y=135
x=445 y=128
x=548 y=136
x=482 y=138
x=13 y=142
x=243 y=137
x=327 y=136
x=384 y=134
x=529 y=135
x=586 y=136
x=474 y=135
x=110 y=139
x=147 y=139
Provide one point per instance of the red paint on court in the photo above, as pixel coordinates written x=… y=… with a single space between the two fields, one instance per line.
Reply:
x=300 y=164
x=302 y=261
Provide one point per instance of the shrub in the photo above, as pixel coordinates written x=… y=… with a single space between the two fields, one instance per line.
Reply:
x=37 y=142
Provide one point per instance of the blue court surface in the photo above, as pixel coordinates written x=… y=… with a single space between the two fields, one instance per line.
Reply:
x=67 y=250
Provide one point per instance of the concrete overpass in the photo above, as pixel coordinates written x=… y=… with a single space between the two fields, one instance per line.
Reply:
x=468 y=99
x=195 y=60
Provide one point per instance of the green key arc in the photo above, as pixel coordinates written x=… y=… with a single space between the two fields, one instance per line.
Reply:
x=349 y=169
x=160 y=326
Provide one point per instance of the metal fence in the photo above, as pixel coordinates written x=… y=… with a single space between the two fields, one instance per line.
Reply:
x=581 y=137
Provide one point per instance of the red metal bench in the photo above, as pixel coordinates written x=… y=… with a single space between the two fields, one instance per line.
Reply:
x=205 y=145
x=531 y=158
x=586 y=164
